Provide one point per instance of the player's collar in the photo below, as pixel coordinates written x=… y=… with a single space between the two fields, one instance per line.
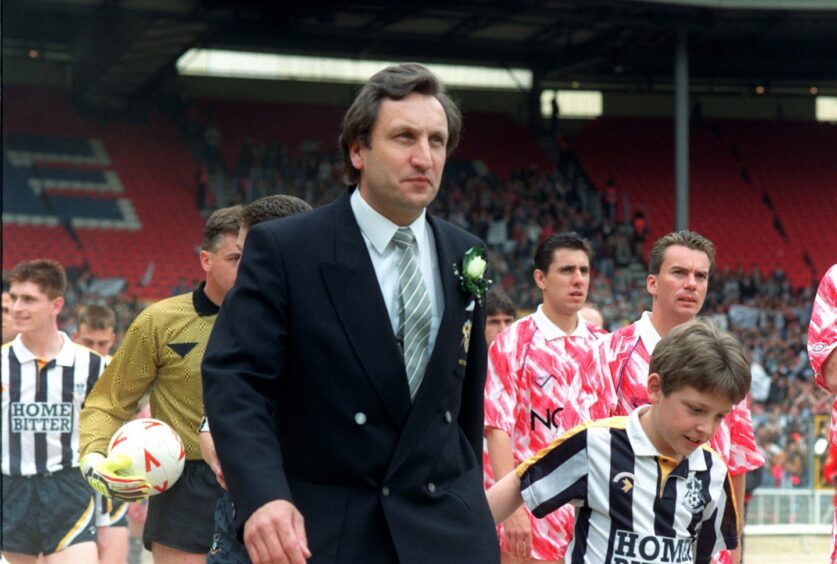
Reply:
x=65 y=357
x=550 y=331
x=647 y=333
x=201 y=302
x=642 y=445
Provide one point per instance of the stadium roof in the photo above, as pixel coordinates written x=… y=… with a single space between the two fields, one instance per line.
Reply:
x=116 y=50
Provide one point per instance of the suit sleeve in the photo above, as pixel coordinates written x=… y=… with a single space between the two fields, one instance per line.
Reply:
x=244 y=362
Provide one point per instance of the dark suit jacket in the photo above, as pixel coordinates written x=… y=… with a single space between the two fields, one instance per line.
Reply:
x=307 y=397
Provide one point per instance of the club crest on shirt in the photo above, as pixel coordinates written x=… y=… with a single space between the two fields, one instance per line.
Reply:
x=817 y=347
x=693 y=500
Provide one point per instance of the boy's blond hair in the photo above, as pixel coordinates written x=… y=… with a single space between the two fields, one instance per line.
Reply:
x=700 y=355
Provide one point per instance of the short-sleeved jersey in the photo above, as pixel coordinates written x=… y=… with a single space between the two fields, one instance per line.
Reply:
x=633 y=504
x=822 y=334
x=530 y=368
x=822 y=340
x=613 y=382
x=162 y=350
x=41 y=404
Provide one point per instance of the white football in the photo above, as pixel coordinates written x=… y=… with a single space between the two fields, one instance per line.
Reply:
x=155 y=449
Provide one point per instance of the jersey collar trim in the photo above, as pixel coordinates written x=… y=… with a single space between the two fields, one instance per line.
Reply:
x=550 y=331
x=66 y=356
x=203 y=305
x=647 y=333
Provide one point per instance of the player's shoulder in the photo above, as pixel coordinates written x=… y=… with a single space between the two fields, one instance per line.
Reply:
x=715 y=457
x=598 y=427
x=518 y=333
x=85 y=351
x=617 y=422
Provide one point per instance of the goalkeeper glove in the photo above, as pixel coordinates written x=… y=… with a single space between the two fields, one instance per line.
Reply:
x=108 y=476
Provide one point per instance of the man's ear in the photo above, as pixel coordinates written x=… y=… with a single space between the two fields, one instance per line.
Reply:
x=540 y=278
x=355 y=154
x=654 y=387
x=204 y=256
x=58 y=304
x=651 y=285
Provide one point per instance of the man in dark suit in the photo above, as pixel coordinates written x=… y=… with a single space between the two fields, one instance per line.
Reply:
x=344 y=376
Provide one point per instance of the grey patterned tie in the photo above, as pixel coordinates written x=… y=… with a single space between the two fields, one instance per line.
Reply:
x=414 y=309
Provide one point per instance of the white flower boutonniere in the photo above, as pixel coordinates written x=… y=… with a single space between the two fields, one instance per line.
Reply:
x=473 y=273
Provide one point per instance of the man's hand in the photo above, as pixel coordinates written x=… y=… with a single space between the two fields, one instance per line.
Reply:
x=211 y=457
x=275 y=533
x=108 y=477
x=517 y=531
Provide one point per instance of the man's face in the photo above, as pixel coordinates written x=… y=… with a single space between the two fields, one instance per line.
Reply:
x=679 y=289
x=496 y=324
x=32 y=309
x=221 y=265
x=401 y=170
x=565 y=283
x=684 y=419
x=99 y=340
x=9 y=330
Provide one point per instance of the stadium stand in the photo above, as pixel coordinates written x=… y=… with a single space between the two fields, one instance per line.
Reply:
x=733 y=165
x=115 y=197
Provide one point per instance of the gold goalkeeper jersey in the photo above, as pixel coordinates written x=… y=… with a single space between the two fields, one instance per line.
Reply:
x=162 y=351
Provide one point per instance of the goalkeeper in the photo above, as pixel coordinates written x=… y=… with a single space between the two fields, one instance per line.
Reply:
x=162 y=352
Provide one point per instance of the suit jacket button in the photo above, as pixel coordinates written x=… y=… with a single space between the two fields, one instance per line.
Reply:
x=385 y=491
x=448 y=417
x=360 y=418
x=431 y=487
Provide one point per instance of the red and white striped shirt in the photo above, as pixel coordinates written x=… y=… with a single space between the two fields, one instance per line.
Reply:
x=822 y=339
x=530 y=368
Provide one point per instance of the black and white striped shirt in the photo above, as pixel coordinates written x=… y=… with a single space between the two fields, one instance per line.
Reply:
x=633 y=505
x=40 y=406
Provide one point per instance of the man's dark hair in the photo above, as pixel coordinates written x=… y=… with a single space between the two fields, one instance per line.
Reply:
x=545 y=252
x=222 y=222
x=684 y=238
x=497 y=302
x=271 y=207
x=47 y=274
x=394 y=82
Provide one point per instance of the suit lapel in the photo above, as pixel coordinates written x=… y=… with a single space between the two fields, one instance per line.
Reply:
x=356 y=296
x=443 y=357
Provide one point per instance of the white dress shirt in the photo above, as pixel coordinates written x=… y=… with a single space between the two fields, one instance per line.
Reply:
x=377 y=232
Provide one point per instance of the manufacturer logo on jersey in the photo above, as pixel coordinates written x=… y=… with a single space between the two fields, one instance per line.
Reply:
x=818 y=347
x=626 y=481
x=633 y=548
x=542 y=380
x=41 y=417
x=693 y=500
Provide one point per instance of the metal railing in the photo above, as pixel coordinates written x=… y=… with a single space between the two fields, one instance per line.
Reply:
x=790 y=511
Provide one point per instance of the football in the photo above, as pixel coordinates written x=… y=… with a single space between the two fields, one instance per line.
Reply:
x=155 y=449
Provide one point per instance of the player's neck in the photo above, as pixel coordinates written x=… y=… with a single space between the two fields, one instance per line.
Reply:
x=45 y=343
x=566 y=322
x=665 y=323
x=215 y=294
